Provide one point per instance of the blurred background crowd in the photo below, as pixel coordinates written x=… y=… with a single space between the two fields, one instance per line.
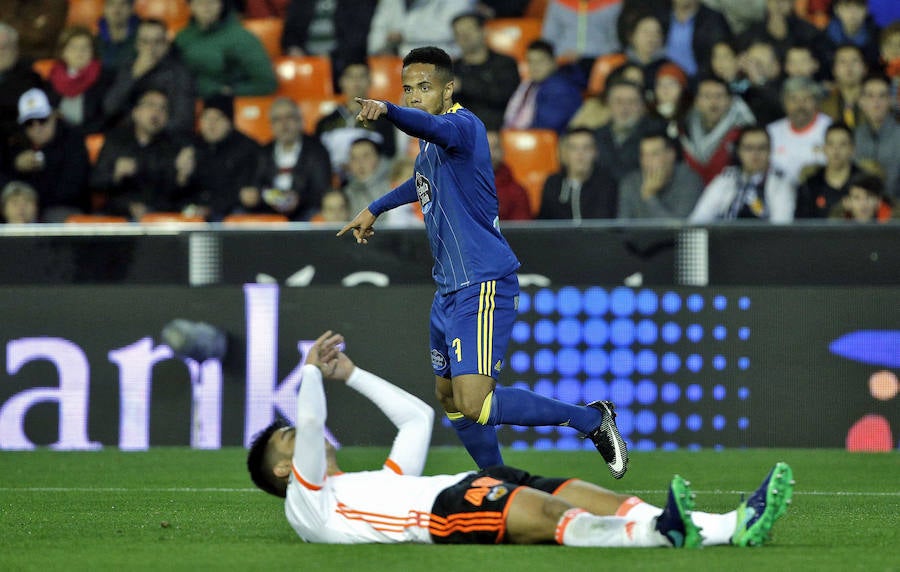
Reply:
x=212 y=110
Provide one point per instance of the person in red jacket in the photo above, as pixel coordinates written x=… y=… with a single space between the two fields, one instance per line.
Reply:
x=512 y=197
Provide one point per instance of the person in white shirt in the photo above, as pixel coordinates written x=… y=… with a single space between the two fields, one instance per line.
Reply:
x=752 y=190
x=495 y=505
x=798 y=140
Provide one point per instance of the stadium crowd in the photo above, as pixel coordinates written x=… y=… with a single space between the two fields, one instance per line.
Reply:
x=774 y=110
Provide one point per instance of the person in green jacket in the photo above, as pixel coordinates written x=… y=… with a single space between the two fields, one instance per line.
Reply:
x=224 y=57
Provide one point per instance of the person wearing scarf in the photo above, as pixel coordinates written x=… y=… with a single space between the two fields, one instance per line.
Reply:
x=76 y=79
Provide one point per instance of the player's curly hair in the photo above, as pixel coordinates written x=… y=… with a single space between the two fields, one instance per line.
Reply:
x=435 y=56
x=258 y=465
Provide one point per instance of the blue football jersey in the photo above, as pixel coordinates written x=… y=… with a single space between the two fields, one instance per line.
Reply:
x=454 y=184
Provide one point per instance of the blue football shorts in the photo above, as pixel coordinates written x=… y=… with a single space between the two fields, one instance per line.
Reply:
x=470 y=328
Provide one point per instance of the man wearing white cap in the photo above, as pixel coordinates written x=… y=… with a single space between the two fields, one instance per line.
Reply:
x=50 y=155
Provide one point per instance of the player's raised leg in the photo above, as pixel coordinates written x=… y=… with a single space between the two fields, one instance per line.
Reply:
x=757 y=515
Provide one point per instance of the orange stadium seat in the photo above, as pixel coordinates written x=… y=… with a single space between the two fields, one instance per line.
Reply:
x=42 y=67
x=304 y=77
x=94 y=219
x=536 y=9
x=251 y=116
x=269 y=31
x=532 y=155
x=170 y=217
x=385 y=74
x=93 y=143
x=255 y=219
x=511 y=36
x=84 y=13
x=175 y=13
x=601 y=69
x=315 y=109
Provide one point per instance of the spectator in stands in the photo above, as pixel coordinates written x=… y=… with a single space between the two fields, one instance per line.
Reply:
x=797 y=140
x=335 y=208
x=593 y=112
x=336 y=28
x=618 y=142
x=663 y=187
x=645 y=47
x=581 y=31
x=483 y=80
x=580 y=190
x=781 y=27
x=116 y=33
x=78 y=80
x=801 y=61
x=825 y=186
x=217 y=165
x=724 y=63
x=340 y=128
x=39 y=23
x=156 y=65
x=877 y=133
x=712 y=126
x=851 y=24
x=740 y=14
x=890 y=57
x=268 y=8
x=398 y=26
x=16 y=77
x=135 y=171
x=865 y=201
x=50 y=155
x=671 y=100
x=512 y=197
x=752 y=189
x=762 y=93
x=848 y=70
x=548 y=98
x=294 y=169
x=691 y=31
x=369 y=179
x=18 y=203
x=224 y=58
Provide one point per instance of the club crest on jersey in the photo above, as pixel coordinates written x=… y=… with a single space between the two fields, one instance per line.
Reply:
x=423 y=189
x=438 y=361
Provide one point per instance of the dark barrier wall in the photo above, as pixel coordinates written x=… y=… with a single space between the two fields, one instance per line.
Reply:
x=83 y=366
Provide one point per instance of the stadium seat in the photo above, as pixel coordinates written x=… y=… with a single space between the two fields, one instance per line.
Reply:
x=536 y=9
x=94 y=219
x=532 y=155
x=601 y=69
x=511 y=36
x=251 y=117
x=255 y=219
x=42 y=67
x=84 y=13
x=94 y=143
x=304 y=77
x=315 y=109
x=269 y=31
x=385 y=73
x=170 y=217
x=175 y=13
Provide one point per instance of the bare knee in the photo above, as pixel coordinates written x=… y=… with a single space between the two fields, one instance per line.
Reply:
x=470 y=393
x=443 y=390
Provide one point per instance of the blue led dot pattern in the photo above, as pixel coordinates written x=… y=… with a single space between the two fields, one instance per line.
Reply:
x=544 y=429
x=524 y=302
x=646 y=332
x=646 y=362
x=625 y=421
x=621 y=332
x=720 y=302
x=621 y=362
x=720 y=333
x=544 y=387
x=596 y=332
x=694 y=422
x=694 y=392
x=569 y=332
x=544 y=361
x=719 y=362
x=545 y=301
x=568 y=444
x=744 y=333
x=670 y=392
x=544 y=332
x=568 y=361
x=695 y=302
x=521 y=385
x=719 y=392
x=718 y=422
x=622 y=302
x=644 y=445
x=645 y=393
x=694 y=362
x=670 y=422
x=744 y=363
x=647 y=302
x=596 y=301
x=521 y=332
x=519 y=445
x=694 y=447
x=595 y=389
x=671 y=303
x=743 y=393
x=645 y=422
x=744 y=303
x=569 y=390
x=669 y=446
x=671 y=362
x=743 y=423
x=569 y=301
x=695 y=332
x=543 y=444
x=621 y=392
x=596 y=362
x=671 y=332
x=520 y=362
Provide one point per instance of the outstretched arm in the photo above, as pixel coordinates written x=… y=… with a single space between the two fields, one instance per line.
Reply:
x=441 y=130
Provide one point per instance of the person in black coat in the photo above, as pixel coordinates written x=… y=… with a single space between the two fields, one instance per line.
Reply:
x=16 y=77
x=579 y=190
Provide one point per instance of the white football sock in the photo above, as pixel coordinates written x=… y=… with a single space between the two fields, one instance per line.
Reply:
x=717 y=528
x=577 y=527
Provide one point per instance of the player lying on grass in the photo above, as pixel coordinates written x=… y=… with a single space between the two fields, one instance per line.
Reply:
x=494 y=505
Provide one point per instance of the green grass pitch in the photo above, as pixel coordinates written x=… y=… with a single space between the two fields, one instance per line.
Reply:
x=180 y=509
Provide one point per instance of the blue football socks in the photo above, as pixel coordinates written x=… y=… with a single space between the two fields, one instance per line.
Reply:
x=479 y=440
x=513 y=406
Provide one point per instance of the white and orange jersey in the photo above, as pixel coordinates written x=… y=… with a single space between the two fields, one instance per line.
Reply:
x=385 y=506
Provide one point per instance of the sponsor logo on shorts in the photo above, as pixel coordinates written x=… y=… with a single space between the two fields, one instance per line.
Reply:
x=438 y=360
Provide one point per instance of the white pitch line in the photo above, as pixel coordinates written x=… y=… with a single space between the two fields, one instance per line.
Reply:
x=253 y=490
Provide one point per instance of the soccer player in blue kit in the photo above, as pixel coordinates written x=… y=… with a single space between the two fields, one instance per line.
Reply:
x=476 y=302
